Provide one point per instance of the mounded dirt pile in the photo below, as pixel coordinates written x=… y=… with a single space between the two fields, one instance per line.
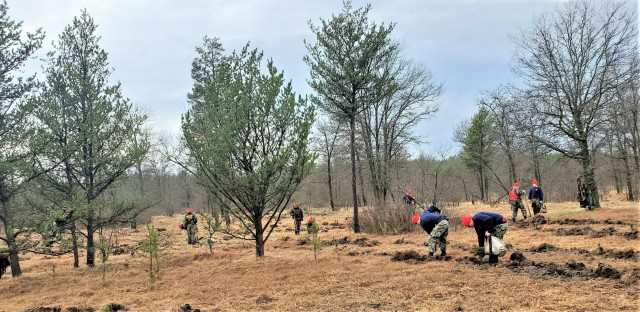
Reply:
x=574 y=222
x=264 y=299
x=402 y=241
x=622 y=254
x=572 y=269
x=604 y=232
x=630 y=235
x=471 y=260
x=84 y=309
x=574 y=231
x=365 y=242
x=606 y=271
x=544 y=247
x=538 y=219
x=187 y=308
x=414 y=257
x=517 y=257
x=113 y=307
x=340 y=241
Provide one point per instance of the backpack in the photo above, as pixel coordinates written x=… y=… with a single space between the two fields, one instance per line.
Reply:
x=494 y=246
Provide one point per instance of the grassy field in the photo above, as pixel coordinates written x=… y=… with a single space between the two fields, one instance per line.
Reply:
x=591 y=265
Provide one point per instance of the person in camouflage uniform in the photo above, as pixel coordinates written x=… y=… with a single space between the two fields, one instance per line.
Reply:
x=584 y=195
x=437 y=226
x=491 y=222
x=515 y=199
x=55 y=227
x=190 y=224
x=297 y=215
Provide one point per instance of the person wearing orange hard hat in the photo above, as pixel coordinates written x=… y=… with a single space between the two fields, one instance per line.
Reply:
x=408 y=197
x=487 y=222
x=535 y=197
x=515 y=199
x=297 y=215
x=437 y=226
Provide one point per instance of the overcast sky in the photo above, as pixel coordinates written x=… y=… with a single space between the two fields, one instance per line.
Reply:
x=151 y=44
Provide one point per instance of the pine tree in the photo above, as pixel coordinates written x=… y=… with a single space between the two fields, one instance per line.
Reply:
x=248 y=145
x=97 y=132
x=17 y=133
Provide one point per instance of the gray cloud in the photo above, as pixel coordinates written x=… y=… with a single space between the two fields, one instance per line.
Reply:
x=151 y=44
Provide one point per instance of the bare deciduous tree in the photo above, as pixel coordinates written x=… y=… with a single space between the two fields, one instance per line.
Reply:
x=572 y=61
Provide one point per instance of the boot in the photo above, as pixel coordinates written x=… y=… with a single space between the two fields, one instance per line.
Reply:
x=443 y=253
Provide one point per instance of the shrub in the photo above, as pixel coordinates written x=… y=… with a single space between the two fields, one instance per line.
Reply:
x=386 y=218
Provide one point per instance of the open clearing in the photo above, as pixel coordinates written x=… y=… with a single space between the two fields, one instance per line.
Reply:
x=577 y=261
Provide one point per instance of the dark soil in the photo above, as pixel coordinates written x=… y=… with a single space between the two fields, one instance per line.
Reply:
x=113 y=307
x=44 y=309
x=414 y=257
x=285 y=238
x=573 y=270
x=83 y=309
x=544 y=247
x=630 y=235
x=587 y=221
x=538 y=219
x=471 y=260
x=517 y=257
x=622 y=254
x=341 y=241
x=575 y=222
x=587 y=230
x=606 y=271
x=264 y=299
x=365 y=242
x=187 y=308
x=303 y=241
x=402 y=241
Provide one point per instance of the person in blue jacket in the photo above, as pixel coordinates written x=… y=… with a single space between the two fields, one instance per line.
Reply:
x=437 y=226
x=535 y=197
x=491 y=222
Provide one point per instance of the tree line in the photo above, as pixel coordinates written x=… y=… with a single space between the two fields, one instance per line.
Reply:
x=250 y=145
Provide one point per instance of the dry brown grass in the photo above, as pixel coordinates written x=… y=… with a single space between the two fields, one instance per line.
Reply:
x=232 y=279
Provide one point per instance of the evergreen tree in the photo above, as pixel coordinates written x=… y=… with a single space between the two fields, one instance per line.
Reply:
x=248 y=144
x=17 y=132
x=97 y=133
x=345 y=65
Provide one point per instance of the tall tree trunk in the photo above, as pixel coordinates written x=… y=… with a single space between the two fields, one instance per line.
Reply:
x=14 y=260
x=74 y=245
x=616 y=177
x=259 y=236
x=91 y=252
x=629 y=180
x=588 y=172
x=435 y=189
x=329 y=182
x=512 y=166
x=464 y=187
x=364 y=198
x=356 y=221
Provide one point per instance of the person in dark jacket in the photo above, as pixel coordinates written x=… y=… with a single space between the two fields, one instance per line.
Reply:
x=437 y=226
x=297 y=215
x=491 y=222
x=535 y=197
x=408 y=199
